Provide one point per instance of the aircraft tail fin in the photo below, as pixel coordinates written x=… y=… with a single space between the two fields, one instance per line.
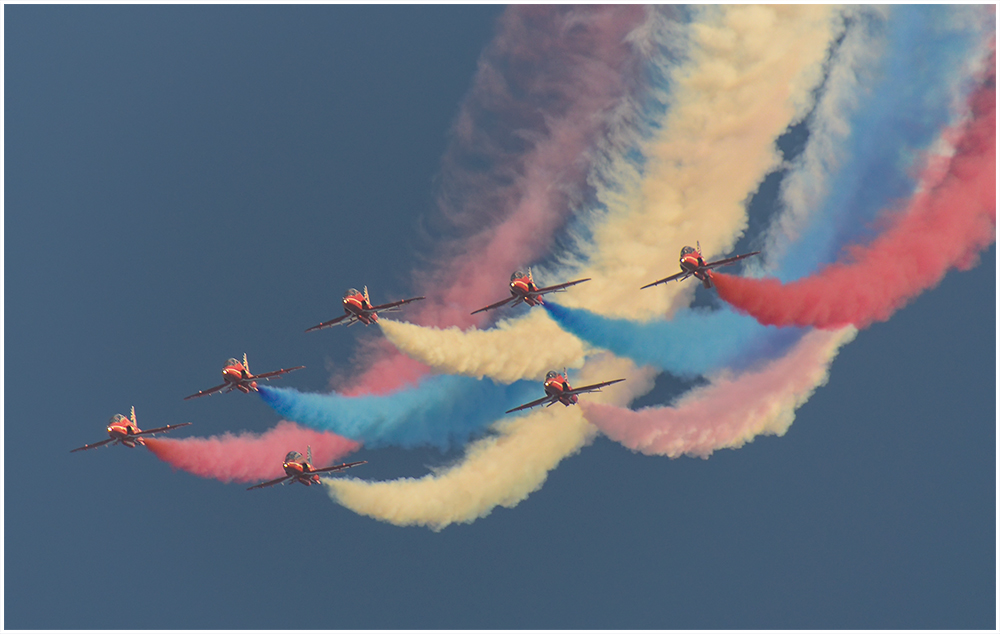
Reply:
x=366 y=296
x=530 y=279
x=309 y=454
x=246 y=365
x=133 y=417
x=698 y=245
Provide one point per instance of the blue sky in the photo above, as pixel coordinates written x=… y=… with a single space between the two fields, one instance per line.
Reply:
x=185 y=184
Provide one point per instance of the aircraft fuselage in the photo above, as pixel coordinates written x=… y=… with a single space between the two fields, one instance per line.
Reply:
x=236 y=377
x=300 y=471
x=124 y=434
x=694 y=264
x=525 y=288
x=556 y=387
x=358 y=306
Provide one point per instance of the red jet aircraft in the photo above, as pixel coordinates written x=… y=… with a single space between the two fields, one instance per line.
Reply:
x=237 y=376
x=298 y=469
x=357 y=307
x=693 y=264
x=557 y=390
x=126 y=432
x=523 y=289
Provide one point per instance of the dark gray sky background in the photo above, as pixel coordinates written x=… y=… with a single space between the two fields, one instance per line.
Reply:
x=184 y=184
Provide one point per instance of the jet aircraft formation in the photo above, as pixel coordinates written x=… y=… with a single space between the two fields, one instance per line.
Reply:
x=358 y=308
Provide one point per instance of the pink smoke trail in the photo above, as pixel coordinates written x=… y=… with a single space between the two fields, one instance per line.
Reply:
x=728 y=412
x=543 y=96
x=545 y=93
x=942 y=227
x=539 y=102
x=248 y=457
x=386 y=370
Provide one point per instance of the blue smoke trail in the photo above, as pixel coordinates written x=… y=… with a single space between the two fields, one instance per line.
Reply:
x=710 y=340
x=439 y=411
x=903 y=104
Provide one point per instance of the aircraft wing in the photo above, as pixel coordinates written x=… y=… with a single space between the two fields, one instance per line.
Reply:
x=268 y=375
x=559 y=287
x=211 y=390
x=676 y=276
x=596 y=387
x=96 y=444
x=497 y=305
x=391 y=305
x=270 y=483
x=332 y=322
x=157 y=430
x=531 y=404
x=339 y=467
x=724 y=262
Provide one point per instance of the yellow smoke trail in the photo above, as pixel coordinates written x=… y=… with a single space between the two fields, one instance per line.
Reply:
x=751 y=75
x=496 y=471
x=524 y=348
x=499 y=471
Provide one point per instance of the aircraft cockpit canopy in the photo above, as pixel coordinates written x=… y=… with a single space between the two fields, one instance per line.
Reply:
x=351 y=291
x=292 y=456
x=551 y=375
x=687 y=250
x=115 y=419
x=515 y=275
x=231 y=361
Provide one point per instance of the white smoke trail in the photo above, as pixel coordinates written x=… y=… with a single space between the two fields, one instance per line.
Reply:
x=806 y=184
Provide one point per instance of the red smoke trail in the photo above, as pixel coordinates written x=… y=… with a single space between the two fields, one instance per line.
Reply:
x=519 y=156
x=941 y=227
x=249 y=457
